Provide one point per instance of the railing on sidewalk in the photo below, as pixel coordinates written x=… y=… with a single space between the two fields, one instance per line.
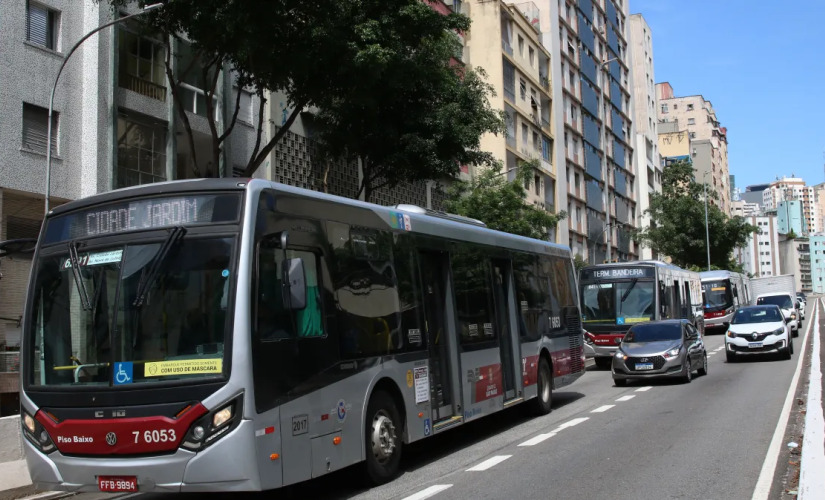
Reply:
x=10 y=361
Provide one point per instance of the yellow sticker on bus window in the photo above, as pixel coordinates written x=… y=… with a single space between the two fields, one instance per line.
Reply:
x=717 y=289
x=182 y=367
x=636 y=320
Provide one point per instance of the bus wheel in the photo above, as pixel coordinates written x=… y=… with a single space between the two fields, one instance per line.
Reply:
x=383 y=443
x=544 y=400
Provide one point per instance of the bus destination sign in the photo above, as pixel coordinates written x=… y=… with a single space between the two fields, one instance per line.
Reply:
x=614 y=273
x=144 y=214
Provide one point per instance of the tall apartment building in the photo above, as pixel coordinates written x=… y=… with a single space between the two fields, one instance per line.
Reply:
x=647 y=165
x=674 y=143
x=790 y=217
x=505 y=41
x=708 y=140
x=817 y=262
x=794 y=188
x=819 y=199
x=795 y=258
x=760 y=255
x=591 y=68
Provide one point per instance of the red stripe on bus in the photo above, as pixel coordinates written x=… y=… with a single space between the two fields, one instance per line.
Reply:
x=120 y=436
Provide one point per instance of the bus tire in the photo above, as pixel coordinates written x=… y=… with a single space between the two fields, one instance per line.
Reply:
x=544 y=399
x=603 y=363
x=382 y=438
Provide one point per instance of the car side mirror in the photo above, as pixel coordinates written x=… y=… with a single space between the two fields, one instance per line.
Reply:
x=787 y=320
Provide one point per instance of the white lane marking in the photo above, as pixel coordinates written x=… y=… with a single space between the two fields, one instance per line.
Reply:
x=428 y=492
x=626 y=398
x=489 y=463
x=602 y=409
x=763 y=484
x=538 y=439
x=811 y=478
x=572 y=423
x=645 y=388
x=719 y=348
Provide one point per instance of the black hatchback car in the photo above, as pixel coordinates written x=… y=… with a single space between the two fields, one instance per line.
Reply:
x=671 y=348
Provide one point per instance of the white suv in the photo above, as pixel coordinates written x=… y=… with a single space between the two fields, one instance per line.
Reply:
x=787 y=303
x=757 y=330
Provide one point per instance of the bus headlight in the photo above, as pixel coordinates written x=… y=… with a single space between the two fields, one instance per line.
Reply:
x=207 y=429
x=36 y=434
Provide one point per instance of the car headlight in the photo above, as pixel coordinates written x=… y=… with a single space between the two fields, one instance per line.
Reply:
x=778 y=331
x=672 y=353
x=621 y=355
x=730 y=334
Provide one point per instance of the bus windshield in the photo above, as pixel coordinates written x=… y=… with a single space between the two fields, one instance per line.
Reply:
x=718 y=295
x=134 y=313
x=619 y=303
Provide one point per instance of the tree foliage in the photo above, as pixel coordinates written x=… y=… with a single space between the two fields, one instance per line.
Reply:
x=502 y=204
x=678 y=223
x=377 y=71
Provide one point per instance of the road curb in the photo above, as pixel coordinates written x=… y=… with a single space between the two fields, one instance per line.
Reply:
x=812 y=464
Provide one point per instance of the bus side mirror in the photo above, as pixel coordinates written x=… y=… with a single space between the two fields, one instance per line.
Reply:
x=295 y=285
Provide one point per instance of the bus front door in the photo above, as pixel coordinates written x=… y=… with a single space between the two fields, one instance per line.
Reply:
x=434 y=278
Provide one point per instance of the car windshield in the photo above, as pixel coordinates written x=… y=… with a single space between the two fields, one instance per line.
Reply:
x=718 y=295
x=128 y=315
x=756 y=315
x=620 y=303
x=783 y=301
x=654 y=332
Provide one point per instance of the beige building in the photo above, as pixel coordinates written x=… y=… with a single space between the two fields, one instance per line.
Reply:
x=505 y=42
x=646 y=162
x=819 y=198
x=794 y=188
x=674 y=143
x=709 y=143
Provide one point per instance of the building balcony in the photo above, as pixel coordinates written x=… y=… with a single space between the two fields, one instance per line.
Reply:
x=143 y=87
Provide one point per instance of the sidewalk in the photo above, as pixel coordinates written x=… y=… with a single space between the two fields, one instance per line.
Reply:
x=14 y=480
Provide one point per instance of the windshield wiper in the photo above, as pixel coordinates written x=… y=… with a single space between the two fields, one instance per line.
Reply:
x=78 y=279
x=627 y=292
x=147 y=279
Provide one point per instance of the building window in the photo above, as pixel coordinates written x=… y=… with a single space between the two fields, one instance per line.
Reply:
x=524 y=135
x=532 y=55
x=675 y=106
x=664 y=108
x=537 y=185
x=522 y=89
x=691 y=121
x=35 y=128
x=141 y=65
x=141 y=151
x=693 y=135
x=42 y=25
x=690 y=107
x=520 y=46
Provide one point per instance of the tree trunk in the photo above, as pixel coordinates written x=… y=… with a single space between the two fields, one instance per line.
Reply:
x=256 y=159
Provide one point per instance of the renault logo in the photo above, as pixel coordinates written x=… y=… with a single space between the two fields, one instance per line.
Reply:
x=111 y=438
x=755 y=335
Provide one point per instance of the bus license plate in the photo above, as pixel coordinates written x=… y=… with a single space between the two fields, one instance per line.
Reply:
x=644 y=366
x=754 y=345
x=116 y=484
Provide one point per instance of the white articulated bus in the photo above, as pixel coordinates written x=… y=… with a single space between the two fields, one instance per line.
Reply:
x=616 y=296
x=234 y=335
x=723 y=293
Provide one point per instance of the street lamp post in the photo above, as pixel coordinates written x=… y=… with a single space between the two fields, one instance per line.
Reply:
x=604 y=170
x=146 y=9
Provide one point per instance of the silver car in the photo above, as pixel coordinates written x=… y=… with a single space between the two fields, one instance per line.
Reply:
x=671 y=348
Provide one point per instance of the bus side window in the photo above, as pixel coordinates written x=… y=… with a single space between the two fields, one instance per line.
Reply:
x=275 y=321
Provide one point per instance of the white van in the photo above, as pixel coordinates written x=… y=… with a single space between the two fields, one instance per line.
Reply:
x=786 y=302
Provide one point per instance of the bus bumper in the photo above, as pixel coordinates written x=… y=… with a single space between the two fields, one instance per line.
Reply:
x=227 y=465
x=719 y=322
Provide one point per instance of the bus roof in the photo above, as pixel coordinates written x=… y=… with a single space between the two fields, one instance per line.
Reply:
x=421 y=221
x=637 y=263
x=717 y=275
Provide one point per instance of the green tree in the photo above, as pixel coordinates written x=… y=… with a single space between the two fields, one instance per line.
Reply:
x=378 y=71
x=579 y=262
x=678 y=229
x=502 y=204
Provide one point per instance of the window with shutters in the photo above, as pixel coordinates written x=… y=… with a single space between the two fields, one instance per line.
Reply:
x=42 y=25
x=35 y=128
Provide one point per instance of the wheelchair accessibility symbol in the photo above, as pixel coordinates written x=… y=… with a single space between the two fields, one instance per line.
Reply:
x=123 y=373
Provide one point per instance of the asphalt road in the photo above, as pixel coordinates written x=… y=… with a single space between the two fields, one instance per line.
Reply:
x=706 y=439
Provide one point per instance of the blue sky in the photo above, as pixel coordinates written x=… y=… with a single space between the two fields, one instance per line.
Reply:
x=762 y=65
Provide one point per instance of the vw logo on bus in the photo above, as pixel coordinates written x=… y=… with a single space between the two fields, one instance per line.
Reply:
x=111 y=438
